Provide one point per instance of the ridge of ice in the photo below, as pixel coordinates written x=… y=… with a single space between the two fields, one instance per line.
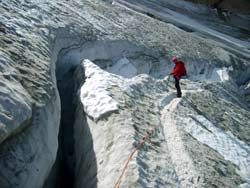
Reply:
x=94 y=95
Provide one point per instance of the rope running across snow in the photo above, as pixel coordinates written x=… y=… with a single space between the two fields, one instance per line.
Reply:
x=118 y=180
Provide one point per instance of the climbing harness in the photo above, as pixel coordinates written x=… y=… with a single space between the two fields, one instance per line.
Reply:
x=118 y=180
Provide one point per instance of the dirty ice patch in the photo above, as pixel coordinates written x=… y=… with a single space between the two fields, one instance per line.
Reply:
x=97 y=101
x=225 y=143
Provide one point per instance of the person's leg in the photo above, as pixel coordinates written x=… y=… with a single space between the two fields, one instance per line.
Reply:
x=177 y=86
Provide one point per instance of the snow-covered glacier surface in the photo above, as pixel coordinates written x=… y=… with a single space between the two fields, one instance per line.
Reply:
x=82 y=82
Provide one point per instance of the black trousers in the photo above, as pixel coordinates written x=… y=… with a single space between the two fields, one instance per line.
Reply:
x=177 y=86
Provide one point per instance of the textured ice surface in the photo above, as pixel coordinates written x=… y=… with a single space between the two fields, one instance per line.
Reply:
x=225 y=143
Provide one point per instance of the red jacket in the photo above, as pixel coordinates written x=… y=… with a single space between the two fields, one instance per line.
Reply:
x=179 y=70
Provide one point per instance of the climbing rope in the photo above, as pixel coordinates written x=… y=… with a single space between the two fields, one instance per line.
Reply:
x=118 y=180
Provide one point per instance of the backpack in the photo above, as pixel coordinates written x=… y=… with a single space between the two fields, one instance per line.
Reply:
x=183 y=71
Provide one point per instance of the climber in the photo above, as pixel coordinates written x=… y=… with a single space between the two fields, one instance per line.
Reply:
x=178 y=71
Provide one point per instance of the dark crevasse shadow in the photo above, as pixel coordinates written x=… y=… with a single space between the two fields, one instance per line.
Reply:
x=85 y=157
x=86 y=164
x=66 y=134
x=76 y=161
x=62 y=173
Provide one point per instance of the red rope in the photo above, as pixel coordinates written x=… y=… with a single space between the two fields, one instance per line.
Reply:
x=118 y=180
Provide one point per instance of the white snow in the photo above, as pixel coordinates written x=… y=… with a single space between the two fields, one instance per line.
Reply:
x=225 y=143
x=94 y=95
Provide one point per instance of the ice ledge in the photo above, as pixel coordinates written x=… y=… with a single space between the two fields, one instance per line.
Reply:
x=94 y=95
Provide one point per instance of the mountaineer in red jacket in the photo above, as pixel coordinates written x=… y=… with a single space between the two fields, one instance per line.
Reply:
x=178 y=71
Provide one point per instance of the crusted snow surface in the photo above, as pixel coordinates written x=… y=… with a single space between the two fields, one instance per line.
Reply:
x=94 y=93
x=225 y=143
